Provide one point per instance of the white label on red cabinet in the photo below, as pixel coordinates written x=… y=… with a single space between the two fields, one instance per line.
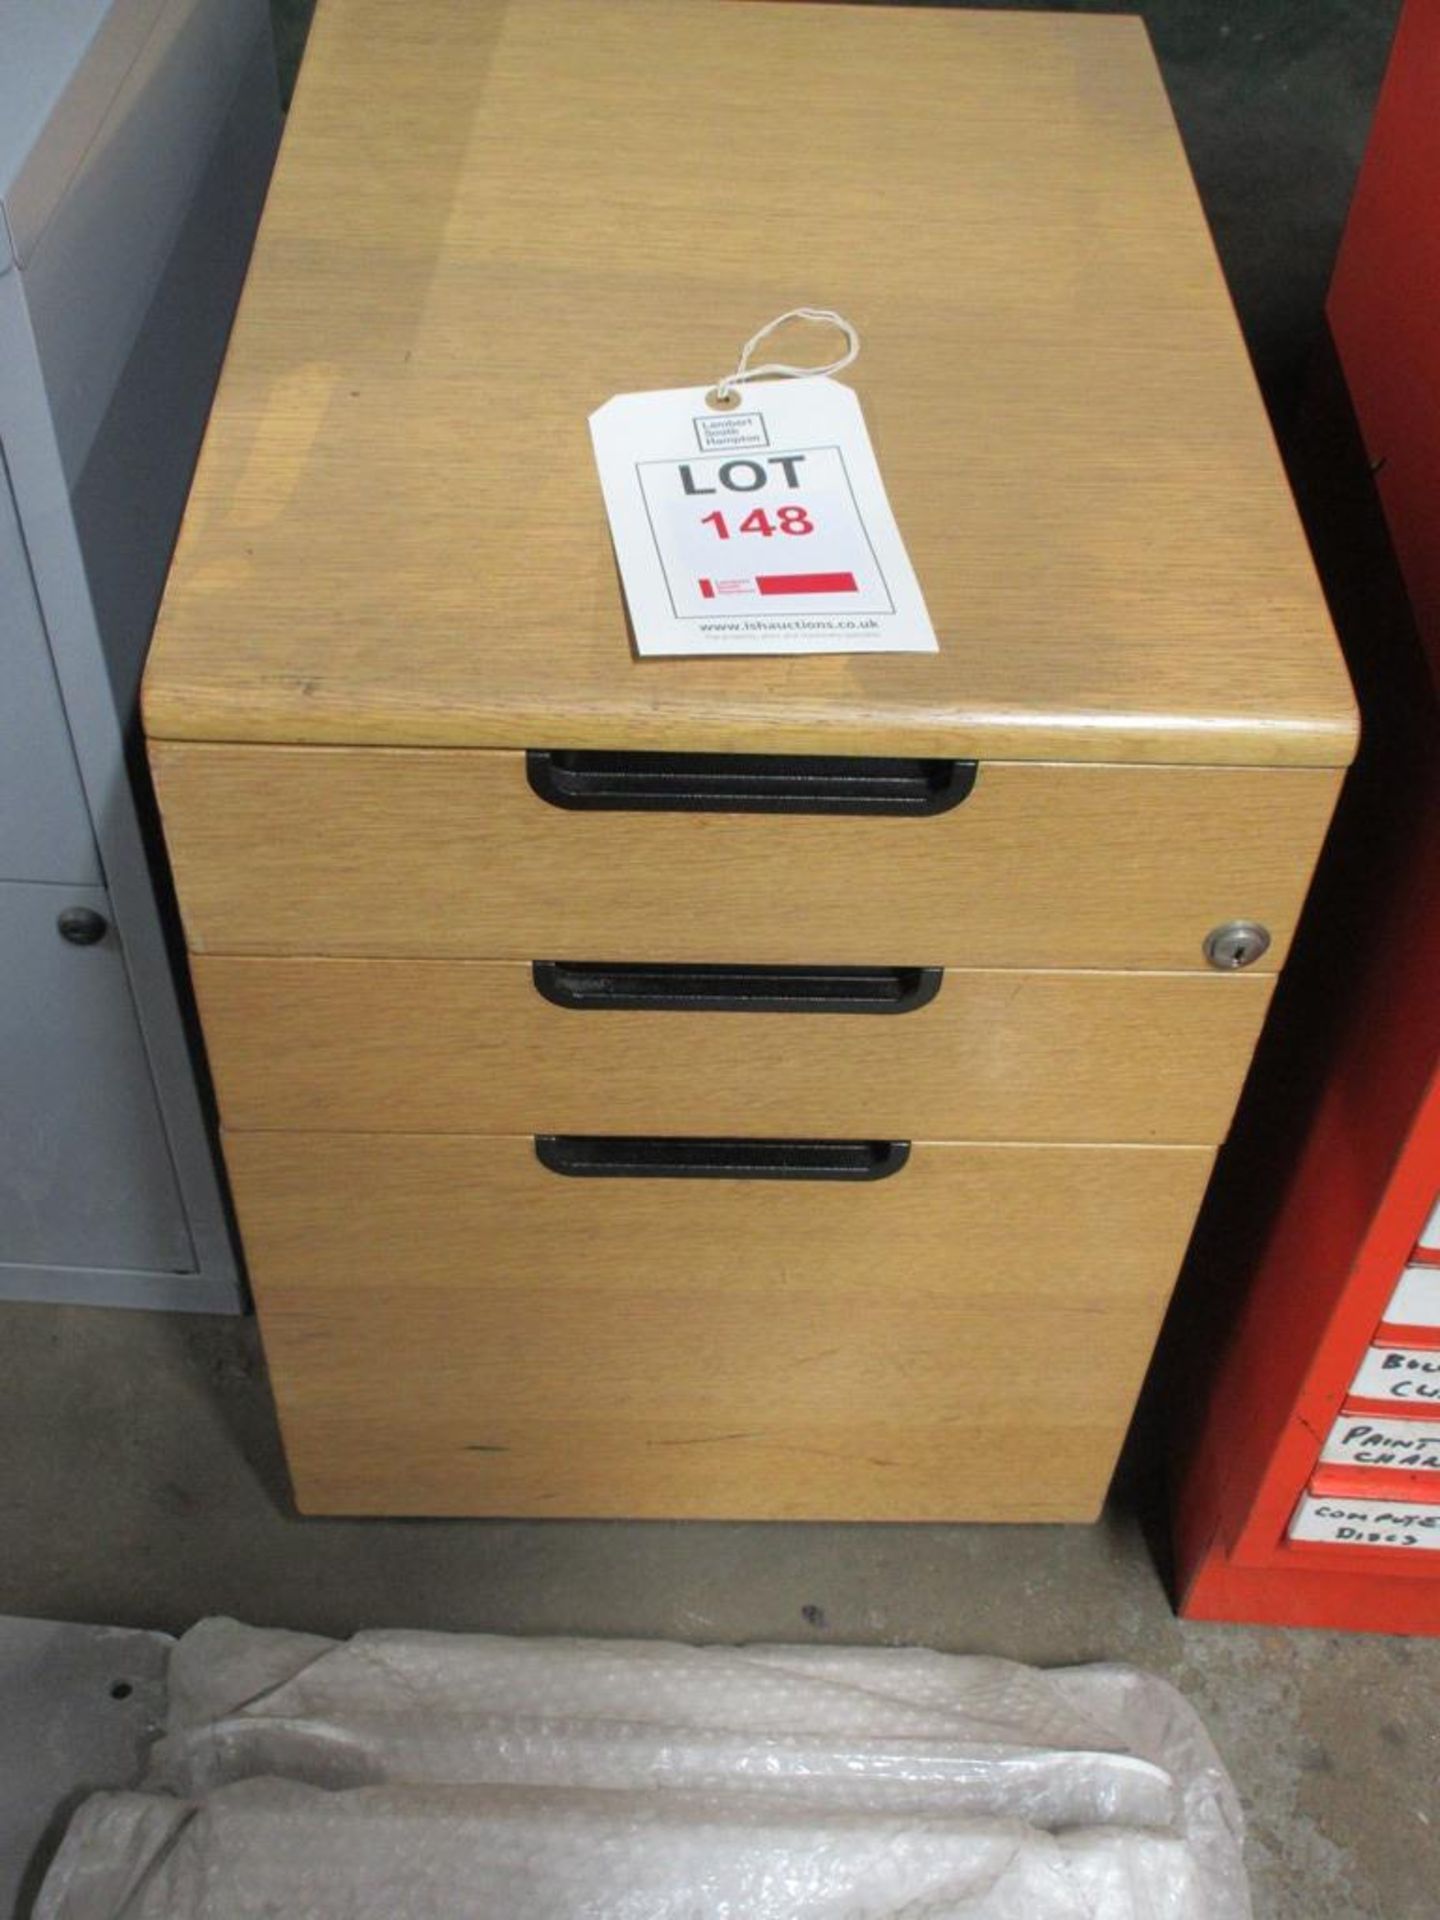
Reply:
x=1430 y=1233
x=1407 y=1376
x=1399 y=1446
x=1416 y=1301
x=1366 y=1523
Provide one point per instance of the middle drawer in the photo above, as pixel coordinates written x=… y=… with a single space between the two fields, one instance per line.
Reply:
x=500 y=1047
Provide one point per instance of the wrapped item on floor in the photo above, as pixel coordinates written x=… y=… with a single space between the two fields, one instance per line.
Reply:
x=416 y=1775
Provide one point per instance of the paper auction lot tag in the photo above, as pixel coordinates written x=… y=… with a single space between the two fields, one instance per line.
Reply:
x=761 y=527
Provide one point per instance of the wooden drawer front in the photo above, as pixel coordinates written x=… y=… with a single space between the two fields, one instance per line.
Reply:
x=391 y=851
x=454 y=1329
x=475 y=1047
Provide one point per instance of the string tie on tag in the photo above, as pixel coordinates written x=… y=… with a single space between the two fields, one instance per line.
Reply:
x=724 y=394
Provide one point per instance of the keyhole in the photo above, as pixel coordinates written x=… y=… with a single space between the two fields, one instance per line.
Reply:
x=1239 y=943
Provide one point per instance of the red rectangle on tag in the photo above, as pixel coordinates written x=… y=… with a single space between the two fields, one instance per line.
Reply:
x=770 y=583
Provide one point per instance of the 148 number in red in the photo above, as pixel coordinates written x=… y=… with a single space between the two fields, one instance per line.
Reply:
x=790 y=520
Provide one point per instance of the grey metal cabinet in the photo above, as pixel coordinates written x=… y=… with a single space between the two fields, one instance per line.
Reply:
x=88 y=1182
x=44 y=822
x=136 y=139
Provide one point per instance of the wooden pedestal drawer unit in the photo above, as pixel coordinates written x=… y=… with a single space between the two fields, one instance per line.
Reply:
x=730 y=1087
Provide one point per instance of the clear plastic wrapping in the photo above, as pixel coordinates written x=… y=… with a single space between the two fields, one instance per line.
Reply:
x=419 y=1775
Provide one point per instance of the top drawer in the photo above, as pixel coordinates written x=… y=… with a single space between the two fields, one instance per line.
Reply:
x=452 y=852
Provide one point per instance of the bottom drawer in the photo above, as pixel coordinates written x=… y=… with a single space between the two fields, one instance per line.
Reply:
x=453 y=1327
x=1322 y=1521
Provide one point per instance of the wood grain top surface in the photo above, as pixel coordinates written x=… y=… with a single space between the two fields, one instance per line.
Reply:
x=491 y=215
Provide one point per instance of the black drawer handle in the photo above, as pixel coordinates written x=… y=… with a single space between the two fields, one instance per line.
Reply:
x=589 y=986
x=593 y=781
x=601 y=1156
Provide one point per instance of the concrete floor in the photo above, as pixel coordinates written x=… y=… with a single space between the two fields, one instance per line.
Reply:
x=141 y=1484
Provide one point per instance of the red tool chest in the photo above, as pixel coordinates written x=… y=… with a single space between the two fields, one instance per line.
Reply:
x=1313 y=1495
